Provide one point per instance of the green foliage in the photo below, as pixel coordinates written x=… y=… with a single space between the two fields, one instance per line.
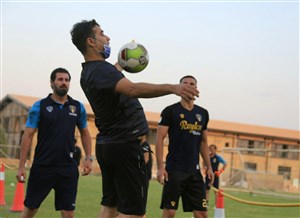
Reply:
x=89 y=197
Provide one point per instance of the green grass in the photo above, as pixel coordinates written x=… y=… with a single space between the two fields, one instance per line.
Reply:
x=89 y=196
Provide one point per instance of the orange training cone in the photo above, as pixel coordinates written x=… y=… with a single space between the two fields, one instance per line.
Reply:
x=2 y=183
x=219 y=210
x=18 y=204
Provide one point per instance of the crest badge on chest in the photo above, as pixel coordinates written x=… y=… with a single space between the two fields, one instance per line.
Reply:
x=72 y=109
x=199 y=117
x=49 y=109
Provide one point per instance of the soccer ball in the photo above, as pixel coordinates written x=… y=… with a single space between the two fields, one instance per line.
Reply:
x=133 y=57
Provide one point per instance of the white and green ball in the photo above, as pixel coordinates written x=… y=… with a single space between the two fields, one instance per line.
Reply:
x=133 y=57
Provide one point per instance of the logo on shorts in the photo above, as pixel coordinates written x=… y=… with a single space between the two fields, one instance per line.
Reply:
x=173 y=203
x=204 y=203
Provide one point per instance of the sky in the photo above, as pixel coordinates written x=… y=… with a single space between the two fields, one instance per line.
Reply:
x=244 y=54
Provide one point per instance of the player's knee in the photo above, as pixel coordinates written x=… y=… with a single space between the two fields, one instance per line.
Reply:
x=67 y=213
x=167 y=213
x=200 y=214
x=28 y=212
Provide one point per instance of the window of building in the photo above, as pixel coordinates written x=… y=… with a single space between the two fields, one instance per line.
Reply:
x=295 y=152
x=227 y=144
x=285 y=171
x=6 y=124
x=285 y=151
x=251 y=147
x=250 y=166
x=284 y=154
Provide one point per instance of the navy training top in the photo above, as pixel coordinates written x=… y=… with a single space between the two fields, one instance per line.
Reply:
x=118 y=117
x=215 y=161
x=185 y=136
x=56 y=125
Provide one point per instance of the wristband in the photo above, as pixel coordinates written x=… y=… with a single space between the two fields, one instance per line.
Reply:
x=91 y=158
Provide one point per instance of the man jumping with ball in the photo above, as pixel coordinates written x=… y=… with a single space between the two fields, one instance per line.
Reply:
x=121 y=121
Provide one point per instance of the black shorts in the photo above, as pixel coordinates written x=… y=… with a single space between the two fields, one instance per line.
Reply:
x=42 y=179
x=124 y=179
x=215 y=183
x=189 y=186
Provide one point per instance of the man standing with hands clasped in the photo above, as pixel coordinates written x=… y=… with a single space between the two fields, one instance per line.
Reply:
x=186 y=126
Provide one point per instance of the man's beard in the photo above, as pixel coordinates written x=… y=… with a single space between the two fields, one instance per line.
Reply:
x=60 y=91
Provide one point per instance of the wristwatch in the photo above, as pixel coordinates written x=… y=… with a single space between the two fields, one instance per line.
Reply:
x=91 y=158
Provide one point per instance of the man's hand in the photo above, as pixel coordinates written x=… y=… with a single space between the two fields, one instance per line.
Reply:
x=218 y=173
x=187 y=92
x=210 y=175
x=21 y=175
x=162 y=176
x=87 y=167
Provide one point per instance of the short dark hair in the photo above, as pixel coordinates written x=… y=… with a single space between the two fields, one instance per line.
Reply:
x=59 y=70
x=187 y=76
x=213 y=145
x=81 y=31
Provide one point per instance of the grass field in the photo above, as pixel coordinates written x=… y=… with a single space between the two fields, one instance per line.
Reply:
x=89 y=196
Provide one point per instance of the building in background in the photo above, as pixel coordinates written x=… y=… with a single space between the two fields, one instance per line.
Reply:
x=260 y=159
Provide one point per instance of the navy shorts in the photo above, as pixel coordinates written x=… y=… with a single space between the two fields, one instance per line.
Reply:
x=124 y=179
x=189 y=186
x=42 y=179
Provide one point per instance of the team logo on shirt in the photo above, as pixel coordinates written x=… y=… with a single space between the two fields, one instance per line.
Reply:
x=181 y=116
x=49 y=109
x=193 y=128
x=199 y=117
x=72 y=110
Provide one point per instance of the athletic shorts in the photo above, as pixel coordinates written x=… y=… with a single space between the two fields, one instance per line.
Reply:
x=124 y=179
x=63 y=180
x=189 y=186
x=215 y=183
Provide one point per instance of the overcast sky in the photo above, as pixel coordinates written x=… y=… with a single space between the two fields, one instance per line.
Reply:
x=244 y=54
